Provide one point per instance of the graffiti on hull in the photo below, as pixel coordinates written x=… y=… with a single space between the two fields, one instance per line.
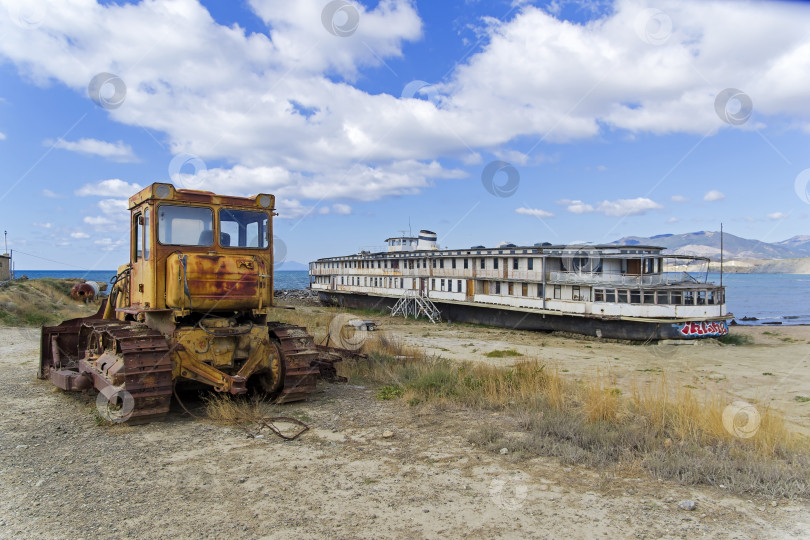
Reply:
x=704 y=329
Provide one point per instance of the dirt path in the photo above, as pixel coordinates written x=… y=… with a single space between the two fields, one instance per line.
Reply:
x=63 y=476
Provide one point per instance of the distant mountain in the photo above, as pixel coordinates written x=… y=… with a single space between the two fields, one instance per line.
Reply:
x=798 y=243
x=707 y=244
x=292 y=266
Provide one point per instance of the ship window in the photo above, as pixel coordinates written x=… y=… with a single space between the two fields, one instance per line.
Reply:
x=610 y=295
x=401 y=283
x=712 y=297
x=483 y=263
x=442 y=285
x=495 y=263
x=185 y=225
x=557 y=292
x=453 y=263
x=676 y=297
x=531 y=263
x=466 y=265
x=689 y=298
x=515 y=263
x=458 y=285
x=497 y=287
x=649 y=297
x=701 y=298
x=450 y=285
x=524 y=289
x=441 y=263
x=540 y=289
x=575 y=293
x=243 y=228
x=662 y=297
x=622 y=297
x=434 y=263
x=511 y=289
x=598 y=295
x=341 y=280
x=635 y=297
x=433 y=284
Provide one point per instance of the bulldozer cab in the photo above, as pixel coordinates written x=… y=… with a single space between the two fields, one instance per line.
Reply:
x=194 y=251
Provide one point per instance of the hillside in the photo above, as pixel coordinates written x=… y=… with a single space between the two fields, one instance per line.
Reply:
x=707 y=244
x=35 y=302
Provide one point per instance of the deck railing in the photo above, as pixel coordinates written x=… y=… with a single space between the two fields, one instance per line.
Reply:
x=665 y=278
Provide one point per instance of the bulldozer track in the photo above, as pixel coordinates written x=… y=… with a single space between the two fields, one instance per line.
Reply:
x=145 y=373
x=301 y=361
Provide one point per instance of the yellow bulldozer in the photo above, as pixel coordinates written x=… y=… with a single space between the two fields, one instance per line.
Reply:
x=193 y=304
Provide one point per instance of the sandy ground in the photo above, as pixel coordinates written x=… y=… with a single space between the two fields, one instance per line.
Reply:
x=773 y=370
x=64 y=476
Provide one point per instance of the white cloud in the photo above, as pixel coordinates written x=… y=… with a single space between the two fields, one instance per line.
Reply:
x=512 y=156
x=601 y=168
x=619 y=207
x=109 y=188
x=673 y=220
x=576 y=206
x=108 y=244
x=43 y=225
x=628 y=207
x=51 y=194
x=117 y=151
x=98 y=221
x=679 y=199
x=343 y=209
x=323 y=210
x=2 y=136
x=536 y=212
x=294 y=109
x=713 y=195
x=775 y=216
x=79 y=235
x=398 y=178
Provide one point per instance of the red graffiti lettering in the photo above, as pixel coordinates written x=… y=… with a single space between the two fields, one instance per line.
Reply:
x=704 y=329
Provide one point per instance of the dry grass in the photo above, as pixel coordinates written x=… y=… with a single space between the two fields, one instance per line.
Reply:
x=38 y=302
x=671 y=431
x=225 y=409
x=665 y=429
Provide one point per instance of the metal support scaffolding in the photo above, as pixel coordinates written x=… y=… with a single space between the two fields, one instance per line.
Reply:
x=414 y=303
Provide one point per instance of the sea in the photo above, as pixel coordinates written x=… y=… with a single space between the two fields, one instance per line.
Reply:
x=769 y=298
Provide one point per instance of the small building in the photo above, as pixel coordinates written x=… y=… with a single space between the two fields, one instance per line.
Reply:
x=5 y=267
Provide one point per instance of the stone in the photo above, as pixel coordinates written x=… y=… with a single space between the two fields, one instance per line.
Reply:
x=687 y=504
x=504 y=451
x=387 y=434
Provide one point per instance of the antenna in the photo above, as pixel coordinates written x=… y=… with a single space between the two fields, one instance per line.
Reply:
x=5 y=238
x=410 y=232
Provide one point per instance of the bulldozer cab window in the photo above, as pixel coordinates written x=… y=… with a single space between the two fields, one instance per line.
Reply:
x=185 y=225
x=146 y=234
x=243 y=228
x=138 y=243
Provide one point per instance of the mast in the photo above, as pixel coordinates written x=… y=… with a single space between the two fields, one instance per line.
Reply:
x=721 y=253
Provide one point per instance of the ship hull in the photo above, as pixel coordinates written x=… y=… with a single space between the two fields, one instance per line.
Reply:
x=503 y=317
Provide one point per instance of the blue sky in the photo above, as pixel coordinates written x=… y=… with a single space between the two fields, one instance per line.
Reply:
x=613 y=117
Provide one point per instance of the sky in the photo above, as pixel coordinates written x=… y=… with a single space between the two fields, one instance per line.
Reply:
x=562 y=121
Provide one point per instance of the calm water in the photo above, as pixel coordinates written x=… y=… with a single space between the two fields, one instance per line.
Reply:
x=781 y=298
